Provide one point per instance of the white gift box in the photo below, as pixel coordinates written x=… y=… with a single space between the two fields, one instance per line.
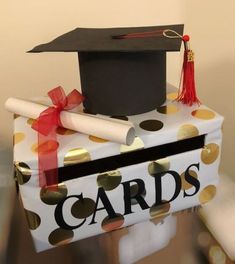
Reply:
x=172 y=165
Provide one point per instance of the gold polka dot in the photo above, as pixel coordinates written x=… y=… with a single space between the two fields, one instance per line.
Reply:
x=136 y=145
x=30 y=121
x=168 y=109
x=33 y=219
x=64 y=131
x=109 y=180
x=151 y=125
x=172 y=96
x=185 y=184
x=187 y=131
x=23 y=172
x=207 y=194
x=34 y=148
x=53 y=194
x=158 y=220
x=134 y=189
x=76 y=155
x=158 y=166
x=210 y=153
x=60 y=237
x=16 y=116
x=109 y=224
x=18 y=137
x=204 y=239
x=46 y=147
x=159 y=210
x=216 y=255
x=203 y=114
x=83 y=208
x=97 y=139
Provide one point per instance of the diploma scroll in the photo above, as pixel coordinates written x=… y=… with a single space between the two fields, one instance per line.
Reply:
x=121 y=132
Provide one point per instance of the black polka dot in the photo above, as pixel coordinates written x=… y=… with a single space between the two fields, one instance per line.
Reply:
x=120 y=117
x=151 y=125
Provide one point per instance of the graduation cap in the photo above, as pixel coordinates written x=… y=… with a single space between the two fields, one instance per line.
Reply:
x=122 y=70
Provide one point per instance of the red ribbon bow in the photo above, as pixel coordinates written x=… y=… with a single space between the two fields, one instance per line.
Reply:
x=46 y=125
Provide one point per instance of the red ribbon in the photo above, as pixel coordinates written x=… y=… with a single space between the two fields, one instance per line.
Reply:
x=46 y=125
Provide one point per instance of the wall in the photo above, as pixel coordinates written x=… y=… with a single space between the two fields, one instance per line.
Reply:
x=211 y=25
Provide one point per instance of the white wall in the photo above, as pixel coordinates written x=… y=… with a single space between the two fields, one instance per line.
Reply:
x=25 y=23
x=212 y=27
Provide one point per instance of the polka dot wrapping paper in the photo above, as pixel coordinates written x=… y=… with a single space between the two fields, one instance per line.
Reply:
x=106 y=200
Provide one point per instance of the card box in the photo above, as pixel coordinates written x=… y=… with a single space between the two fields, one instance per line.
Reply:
x=172 y=165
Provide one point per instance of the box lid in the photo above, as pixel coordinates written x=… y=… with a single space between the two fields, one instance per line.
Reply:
x=170 y=122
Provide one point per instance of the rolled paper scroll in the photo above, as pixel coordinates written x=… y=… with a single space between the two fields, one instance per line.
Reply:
x=118 y=131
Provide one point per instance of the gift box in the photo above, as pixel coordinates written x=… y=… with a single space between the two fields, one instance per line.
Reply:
x=171 y=165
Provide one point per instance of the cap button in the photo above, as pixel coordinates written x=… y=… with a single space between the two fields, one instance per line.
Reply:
x=186 y=38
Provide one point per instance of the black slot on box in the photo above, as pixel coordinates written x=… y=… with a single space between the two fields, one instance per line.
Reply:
x=127 y=159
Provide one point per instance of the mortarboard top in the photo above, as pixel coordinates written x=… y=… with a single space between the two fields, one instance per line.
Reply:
x=100 y=39
x=119 y=76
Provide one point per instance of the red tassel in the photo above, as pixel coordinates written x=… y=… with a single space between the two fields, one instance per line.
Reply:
x=187 y=94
